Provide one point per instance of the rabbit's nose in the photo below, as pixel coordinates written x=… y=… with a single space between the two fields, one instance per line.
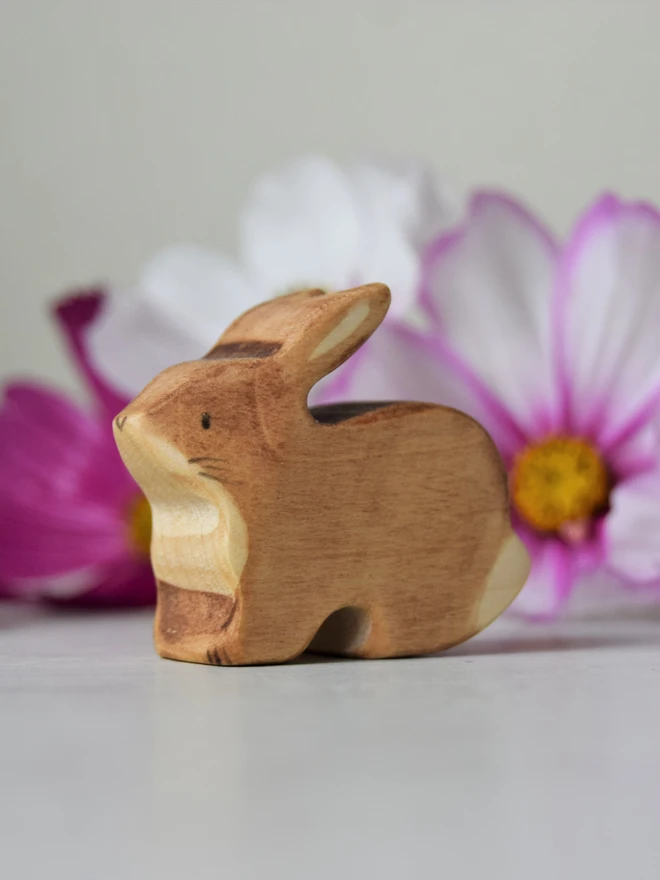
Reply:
x=120 y=421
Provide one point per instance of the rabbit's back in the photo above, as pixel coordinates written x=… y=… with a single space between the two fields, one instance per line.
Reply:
x=399 y=510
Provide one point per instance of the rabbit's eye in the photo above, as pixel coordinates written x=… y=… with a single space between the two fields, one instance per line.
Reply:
x=206 y=421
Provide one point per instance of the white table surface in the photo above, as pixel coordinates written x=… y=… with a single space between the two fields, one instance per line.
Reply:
x=526 y=753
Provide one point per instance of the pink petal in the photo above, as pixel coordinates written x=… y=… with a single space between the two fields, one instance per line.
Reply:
x=76 y=315
x=550 y=581
x=43 y=538
x=632 y=528
x=399 y=363
x=125 y=583
x=488 y=286
x=64 y=493
x=46 y=438
x=634 y=455
x=607 y=308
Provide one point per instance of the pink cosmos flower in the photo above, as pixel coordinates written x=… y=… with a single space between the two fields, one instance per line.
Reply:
x=73 y=525
x=555 y=350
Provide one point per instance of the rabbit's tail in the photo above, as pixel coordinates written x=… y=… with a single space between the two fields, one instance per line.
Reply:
x=505 y=581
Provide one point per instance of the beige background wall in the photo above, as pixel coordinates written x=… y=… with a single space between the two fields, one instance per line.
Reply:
x=130 y=124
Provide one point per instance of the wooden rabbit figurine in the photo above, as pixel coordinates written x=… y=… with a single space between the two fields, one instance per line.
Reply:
x=362 y=529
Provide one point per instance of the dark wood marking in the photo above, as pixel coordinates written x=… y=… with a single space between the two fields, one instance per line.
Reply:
x=205 y=458
x=228 y=621
x=247 y=349
x=182 y=613
x=335 y=413
x=317 y=291
x=397 y=410
x=120 y=421
x=214 y=658
x=225 y=481
x=332 y=413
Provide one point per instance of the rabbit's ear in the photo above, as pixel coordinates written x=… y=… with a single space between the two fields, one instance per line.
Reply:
x=345 y=321
x=311 y=330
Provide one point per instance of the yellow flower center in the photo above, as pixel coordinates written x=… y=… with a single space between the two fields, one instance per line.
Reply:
x=559 y=481
x=139 y=525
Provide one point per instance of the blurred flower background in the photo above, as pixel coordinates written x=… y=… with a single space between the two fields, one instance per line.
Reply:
x=551 y=344
x=347 y=148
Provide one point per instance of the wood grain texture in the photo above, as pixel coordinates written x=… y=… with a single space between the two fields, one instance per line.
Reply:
x=367 y=530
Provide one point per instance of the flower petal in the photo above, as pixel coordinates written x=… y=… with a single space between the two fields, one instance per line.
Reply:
x=63 y=490
x=300 y=228
x=550 y=581
x=186 y=299
x=126 y=583
x=76 y=315
x=632 y=528
x=637 y=454
x=401 y=211
x=488 y=286
x=197 y=290
x=43 y=535
x=401 y=363
x=608 y=312
x=47 y=440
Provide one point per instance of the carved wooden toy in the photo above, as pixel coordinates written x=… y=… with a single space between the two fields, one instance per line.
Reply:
x=361 y=529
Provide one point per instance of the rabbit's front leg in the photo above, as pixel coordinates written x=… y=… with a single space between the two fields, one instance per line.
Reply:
x=193 y=625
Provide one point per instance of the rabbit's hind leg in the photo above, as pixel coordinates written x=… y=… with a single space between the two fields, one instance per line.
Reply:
x=373 y=633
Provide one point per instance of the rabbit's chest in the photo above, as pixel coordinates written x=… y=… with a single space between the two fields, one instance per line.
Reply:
x=194 y=562
x=190 y=548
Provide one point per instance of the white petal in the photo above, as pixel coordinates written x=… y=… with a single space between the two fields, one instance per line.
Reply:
x=609 y=308
x=489 y=286
x=604 y=594
x=63 y=586
x=132 y=342
x=393 y=365
x=401 y=211
x=300 y=228
x=632 y=528
x=550 y=581
x=399 y=363
x=186 y=298
x=200 y=291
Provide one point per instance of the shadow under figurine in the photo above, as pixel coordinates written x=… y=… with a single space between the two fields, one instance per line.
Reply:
x=361 y=529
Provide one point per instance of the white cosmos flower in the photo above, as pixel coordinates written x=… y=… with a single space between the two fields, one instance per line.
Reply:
x=312 y=224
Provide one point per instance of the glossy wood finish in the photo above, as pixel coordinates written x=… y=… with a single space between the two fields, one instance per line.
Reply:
x=369 y=530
